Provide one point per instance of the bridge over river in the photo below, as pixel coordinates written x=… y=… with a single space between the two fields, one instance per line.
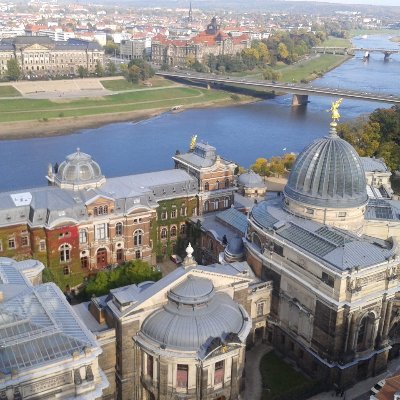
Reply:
x=300 y=92
x=351 y=50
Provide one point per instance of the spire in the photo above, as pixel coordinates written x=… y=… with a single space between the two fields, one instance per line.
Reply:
x=190 y=13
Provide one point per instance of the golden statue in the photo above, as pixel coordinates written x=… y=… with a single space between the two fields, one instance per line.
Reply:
x=335 y=111
x=193 y=142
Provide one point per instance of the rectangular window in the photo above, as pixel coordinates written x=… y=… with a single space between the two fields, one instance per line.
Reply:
x=183 y=211
x=24 y=241
x=164 y=215
x=310 y=211
x=182 y=375
x=173 y=213
x=42 y=245
x=219 y=372
x=82 y=236
x=260 y=309
x=100 y=232
x=150 y=366
x=11 y=243
x=342 y=214
x=326 y=278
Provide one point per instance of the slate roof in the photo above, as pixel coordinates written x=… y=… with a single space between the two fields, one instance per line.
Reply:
x=333 y=247
x=374 y=165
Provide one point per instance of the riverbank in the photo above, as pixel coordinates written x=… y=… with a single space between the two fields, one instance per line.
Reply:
x=67 y=125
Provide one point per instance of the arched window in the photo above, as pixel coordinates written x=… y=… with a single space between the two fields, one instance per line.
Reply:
x=120 y=256
x=163 y=233
x=173 y=231
x=118 y=228
x=211 y=245
x=105 y=209
x=100 y=210
x=217 y=185
x=84 y=262
x=227 y=183
x=226 y=202
x=365 y=332
x=138 y=254
x=65 y=252
x=137 y=237
x=206 y=206
x=95 y=211
x=206 y=187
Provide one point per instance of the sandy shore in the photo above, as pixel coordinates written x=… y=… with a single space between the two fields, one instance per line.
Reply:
x=64 y=126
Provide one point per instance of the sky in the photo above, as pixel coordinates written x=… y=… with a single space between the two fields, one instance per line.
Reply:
x=372 y=2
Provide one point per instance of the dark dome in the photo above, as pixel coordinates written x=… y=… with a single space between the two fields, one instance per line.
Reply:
x=328 y=173
x=188 y=325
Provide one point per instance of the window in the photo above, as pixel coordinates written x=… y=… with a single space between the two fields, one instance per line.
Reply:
x=182 y=229
x=164 y=215
x=163 y=233
x=183 y=212
x=173 y=213
x=226 y=202
x=84 y=262
x=150 y=366
x=217 y=185
x=120 y=256
x=66 y=270
x=138 y=255
x=95 y=211
x=137 y=237
x=100 y=232
x=65 y=252
x=118 y=229
x=227 y=184
x=342 y=214
x=182 y=375
x=11 y=243
x=42 y=245
x=219 y=372
x=173 y=231
x=24 y=241
x=310 y=211
x=328 y=279
x=82 y=236
x=206 y=187
x=206 y=206
x=260 y=309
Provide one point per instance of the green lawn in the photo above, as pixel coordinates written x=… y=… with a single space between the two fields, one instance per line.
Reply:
x=9 y=91
x=117 y=85
x=312 y=68
x=28 y=109
x=281 y=381
x=336 y=42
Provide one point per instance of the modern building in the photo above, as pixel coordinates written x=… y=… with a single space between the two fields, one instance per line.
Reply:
x=45 y=349
x=41 y=56
x=334 y=306
x=135 y=48
x=183 y=336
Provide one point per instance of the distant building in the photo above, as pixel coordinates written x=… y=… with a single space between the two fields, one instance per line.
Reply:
x=135 y=48
x=46 y=351
x=41 y=56
x=176 y=52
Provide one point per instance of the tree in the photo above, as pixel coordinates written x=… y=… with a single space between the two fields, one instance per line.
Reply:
x=99 y=70
x=283 y=52
x=270 y=74
x=111 y=48
x=82 y=71
x=133 y=74
x=111 y=69
x=261 y=167
x=13 y=69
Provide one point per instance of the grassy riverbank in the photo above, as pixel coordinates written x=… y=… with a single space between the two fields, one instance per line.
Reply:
x=358 y=32
x=9 y=91
x=121 y=84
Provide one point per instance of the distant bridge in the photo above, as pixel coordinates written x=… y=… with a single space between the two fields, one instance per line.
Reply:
x=299 y=91
x=352 y=50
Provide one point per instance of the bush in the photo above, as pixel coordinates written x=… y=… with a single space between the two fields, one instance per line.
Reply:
x=235 y=97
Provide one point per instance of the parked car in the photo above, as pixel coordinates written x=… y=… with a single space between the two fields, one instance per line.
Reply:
x=176 y=259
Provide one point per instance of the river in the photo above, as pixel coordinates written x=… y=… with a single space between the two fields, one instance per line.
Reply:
x=240 y=133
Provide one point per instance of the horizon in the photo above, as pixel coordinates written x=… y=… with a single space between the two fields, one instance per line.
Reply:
x=355 y=2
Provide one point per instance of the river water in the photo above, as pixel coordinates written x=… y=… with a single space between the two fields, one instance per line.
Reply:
x=240 y=133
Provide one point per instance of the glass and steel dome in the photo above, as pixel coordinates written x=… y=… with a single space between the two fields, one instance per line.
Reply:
x=79 y=170
x=194 y=314
x=250 y=180
x=328 y=173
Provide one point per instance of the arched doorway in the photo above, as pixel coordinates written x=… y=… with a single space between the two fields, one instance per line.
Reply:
x=101 y=258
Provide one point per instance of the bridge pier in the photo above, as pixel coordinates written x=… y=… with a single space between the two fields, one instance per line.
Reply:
x=208 y=86
x=299 y=100
x=387 y=55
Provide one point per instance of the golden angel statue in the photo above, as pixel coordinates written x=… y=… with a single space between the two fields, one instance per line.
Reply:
x=335 y=110
x=193 y=142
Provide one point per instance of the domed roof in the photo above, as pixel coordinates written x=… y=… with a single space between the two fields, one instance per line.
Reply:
x=250 y=180
x=79 y=170
x=235 y=246
x=328 y=173
x=188 y=324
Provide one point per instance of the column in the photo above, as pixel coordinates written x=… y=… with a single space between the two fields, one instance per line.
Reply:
x=387 y=320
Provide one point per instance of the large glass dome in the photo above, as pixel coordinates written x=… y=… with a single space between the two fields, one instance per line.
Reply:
x=328 y=173
x=79 y=171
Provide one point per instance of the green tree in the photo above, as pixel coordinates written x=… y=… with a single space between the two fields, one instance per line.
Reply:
x=111 y=69
x=99 y=70
x=111 y=48
x=13 y=69
x=82 y=71
x=270 y=74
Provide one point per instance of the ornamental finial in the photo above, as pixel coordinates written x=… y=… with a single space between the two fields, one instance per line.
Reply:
x=193 y=142
x=335 y=112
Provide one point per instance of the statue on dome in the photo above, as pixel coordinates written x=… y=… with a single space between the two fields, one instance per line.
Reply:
x=335 y=111
x=193 y=142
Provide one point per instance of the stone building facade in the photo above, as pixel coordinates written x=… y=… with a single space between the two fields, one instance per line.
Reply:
x=40 y=56
x=334 y=300
x=215 y=176
x=185 y=335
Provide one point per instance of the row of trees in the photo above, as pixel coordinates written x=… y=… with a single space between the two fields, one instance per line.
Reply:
x=127 y=274
x=275 y=166
x=376 y=136
x=137 y=70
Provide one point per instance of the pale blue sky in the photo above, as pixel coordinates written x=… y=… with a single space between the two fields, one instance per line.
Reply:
x=373 y=2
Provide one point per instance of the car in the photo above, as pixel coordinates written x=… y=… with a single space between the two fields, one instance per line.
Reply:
x=176 y=259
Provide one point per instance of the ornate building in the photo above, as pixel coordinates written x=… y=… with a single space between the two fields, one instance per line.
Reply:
x=183 y=336
x=215 y=176
x=177 y=52
x=334 y=302
x=41 y=56
x=45 y=350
